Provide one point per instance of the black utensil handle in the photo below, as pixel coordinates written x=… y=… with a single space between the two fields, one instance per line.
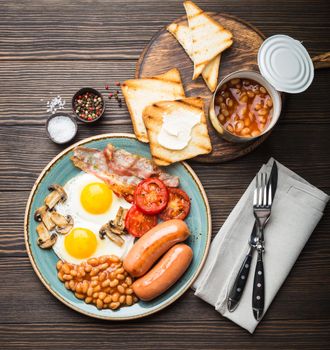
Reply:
x=237 y=289
x=258 y=294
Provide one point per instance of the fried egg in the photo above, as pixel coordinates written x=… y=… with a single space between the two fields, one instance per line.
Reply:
x=90 y=199
x=83 y=242
x=91 y=203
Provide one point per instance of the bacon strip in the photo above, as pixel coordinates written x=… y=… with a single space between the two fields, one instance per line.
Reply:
x=121 y=170
x=92 y=161
x=122 y=162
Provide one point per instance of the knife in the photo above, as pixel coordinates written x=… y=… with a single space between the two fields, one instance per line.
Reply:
x=237 y=289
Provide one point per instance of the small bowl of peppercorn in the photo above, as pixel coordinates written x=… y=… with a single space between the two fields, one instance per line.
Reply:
x=88 y=105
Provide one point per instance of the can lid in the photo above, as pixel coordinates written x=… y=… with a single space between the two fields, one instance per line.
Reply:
x=285 y=63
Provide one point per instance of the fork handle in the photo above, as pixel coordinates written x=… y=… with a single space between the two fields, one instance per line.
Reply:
x=258 y=294
x=237 y=289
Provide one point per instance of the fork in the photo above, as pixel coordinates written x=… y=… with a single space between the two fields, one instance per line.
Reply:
x=238 y=287
x=262 y=204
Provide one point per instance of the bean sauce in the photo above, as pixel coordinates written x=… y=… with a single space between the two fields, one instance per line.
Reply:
x=244 y=107
x=100 y=281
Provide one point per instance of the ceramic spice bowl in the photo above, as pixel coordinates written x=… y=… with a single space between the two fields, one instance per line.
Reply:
x=88 y=105
x=61 y=128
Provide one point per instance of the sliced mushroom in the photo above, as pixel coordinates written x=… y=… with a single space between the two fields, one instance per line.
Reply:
x=117 y=226
x=57 y=195
x=63 y=223
x=45 y=239
x=43 y=215
x=105 y=230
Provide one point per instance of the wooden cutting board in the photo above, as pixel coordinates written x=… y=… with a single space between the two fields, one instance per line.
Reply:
x=164 y=52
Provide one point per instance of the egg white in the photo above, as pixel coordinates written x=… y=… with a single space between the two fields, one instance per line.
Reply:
x=73 y=206
x=81 y=218
x=104 y=246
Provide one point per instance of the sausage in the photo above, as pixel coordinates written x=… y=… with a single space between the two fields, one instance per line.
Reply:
x=164 y=274
x=152 y=245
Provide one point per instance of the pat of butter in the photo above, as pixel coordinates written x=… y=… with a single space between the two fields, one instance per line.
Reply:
x=176 y=129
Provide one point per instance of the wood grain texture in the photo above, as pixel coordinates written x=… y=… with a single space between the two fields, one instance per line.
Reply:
x=164 y=52
x=41 y=336
x=61 y=29
x=55 y=47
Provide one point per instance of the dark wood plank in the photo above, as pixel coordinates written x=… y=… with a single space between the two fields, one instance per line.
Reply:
x=27 y=86
x=85 y=30
x=167 y=335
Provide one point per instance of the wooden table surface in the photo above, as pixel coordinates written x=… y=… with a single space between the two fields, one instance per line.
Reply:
x=50 y=48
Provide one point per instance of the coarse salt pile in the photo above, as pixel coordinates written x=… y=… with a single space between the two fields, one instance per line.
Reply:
x=55 y=104
x=61 y=129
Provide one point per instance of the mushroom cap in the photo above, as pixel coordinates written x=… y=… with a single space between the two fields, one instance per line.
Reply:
x=103 y=230
x=59 y=189
x=65 y=229
x=38 y=213
x=48 y=243
x=56 y=195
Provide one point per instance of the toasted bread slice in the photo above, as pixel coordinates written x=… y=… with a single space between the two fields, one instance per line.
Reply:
x=139 y=93
x=211 y=71
x=209 y=38
x=199 y=143
x=182 y=34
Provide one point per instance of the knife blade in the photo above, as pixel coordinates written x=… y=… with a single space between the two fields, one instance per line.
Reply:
x=273 y=178
x=238 y=287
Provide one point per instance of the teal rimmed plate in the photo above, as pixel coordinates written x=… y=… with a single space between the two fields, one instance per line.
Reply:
x=60 y=170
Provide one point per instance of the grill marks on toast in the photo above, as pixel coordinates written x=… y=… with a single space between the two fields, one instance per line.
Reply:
x=153 y=117
x=211 y=71
x=209 y=38
x=139 y=93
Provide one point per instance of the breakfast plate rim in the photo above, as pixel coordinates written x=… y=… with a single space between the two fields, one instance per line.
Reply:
x=43 y=173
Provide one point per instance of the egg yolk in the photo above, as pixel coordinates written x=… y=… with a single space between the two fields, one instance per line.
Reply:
x=96 y=198
x=80 y=243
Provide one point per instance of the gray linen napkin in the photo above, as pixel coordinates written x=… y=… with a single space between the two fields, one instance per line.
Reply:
x=297 y=208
